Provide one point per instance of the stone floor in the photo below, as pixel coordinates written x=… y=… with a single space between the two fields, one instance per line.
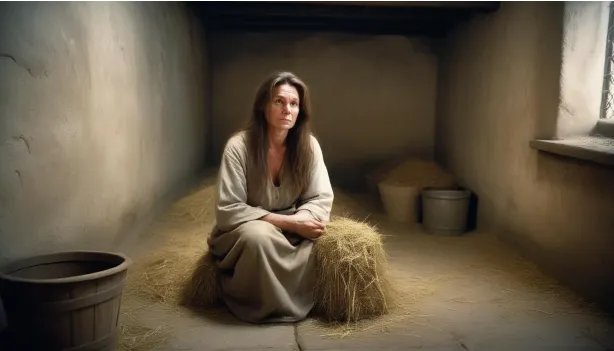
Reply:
x=461 y=293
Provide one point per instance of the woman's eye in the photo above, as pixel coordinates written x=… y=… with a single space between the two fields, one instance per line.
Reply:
x=294 y=104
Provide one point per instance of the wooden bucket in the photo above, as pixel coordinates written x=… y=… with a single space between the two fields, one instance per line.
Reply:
x=63 y=301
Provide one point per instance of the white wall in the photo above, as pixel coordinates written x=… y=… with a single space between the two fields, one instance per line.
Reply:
x=372 y=96
x=499 y=89
x=102 y=113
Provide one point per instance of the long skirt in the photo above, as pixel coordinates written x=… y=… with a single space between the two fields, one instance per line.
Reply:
x=267 y=275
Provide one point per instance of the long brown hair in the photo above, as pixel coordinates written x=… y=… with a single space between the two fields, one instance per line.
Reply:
x=299 y=155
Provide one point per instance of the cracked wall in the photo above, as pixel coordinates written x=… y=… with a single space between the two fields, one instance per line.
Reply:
x=102 y=116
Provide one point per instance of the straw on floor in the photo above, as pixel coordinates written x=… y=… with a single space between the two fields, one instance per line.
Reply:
x=158 y=279
x=176 y=272
x=181 y=272
x=134 y=337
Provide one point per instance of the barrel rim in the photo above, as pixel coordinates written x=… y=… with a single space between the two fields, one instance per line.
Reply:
x=7 y=269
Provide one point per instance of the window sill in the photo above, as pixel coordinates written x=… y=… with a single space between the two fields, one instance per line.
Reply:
x=590 y=148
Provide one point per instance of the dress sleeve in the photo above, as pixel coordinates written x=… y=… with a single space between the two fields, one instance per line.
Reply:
x=232 y=209
x=318 y=196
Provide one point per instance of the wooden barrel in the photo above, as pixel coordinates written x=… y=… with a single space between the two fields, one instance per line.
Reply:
x=63 y=301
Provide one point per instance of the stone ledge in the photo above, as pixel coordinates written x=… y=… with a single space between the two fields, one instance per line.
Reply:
x=590 y=148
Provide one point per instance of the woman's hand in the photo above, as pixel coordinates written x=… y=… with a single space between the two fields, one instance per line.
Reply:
x=302 y=223
x=307 y=226
x=309 y=229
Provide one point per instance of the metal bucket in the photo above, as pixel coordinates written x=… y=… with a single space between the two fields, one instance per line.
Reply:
x=445 y=211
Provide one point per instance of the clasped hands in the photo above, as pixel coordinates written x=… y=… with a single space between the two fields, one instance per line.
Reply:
x=305 y=225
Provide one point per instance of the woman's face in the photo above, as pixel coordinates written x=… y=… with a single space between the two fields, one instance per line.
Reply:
x=282 y=111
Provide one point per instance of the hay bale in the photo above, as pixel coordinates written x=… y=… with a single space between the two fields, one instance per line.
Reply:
x=203 y=289
x=352 y=282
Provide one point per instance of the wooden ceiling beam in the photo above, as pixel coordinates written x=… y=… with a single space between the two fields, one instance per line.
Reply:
x=487 y=5
x=421 y=18
x=292 y=9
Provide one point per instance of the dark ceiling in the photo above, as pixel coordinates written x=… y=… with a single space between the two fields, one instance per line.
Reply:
x=432 y=19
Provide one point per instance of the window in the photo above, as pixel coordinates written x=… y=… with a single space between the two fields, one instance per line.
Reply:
x=607 y=99
x=586 y=133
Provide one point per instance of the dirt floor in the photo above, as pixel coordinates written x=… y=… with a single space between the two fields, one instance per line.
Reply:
x=459 y=293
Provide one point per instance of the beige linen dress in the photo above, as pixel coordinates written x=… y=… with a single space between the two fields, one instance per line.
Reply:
x=267 y=275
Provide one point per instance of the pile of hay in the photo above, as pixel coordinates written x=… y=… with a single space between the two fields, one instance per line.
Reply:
x=352 y=281
x=203 y=288
x=419 y=173
x=190 y=281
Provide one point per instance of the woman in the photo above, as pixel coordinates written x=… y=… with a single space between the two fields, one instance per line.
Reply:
x=274 y=198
